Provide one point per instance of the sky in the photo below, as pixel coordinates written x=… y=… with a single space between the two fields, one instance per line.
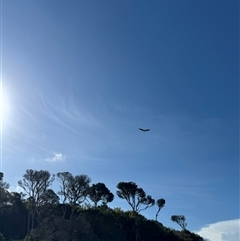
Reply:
x=79 y=78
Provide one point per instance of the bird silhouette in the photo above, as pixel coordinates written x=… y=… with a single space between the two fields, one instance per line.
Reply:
x=144 y=130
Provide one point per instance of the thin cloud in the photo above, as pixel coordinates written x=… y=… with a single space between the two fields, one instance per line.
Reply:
x=65 y=112
x=57 y=157
x=221 y=231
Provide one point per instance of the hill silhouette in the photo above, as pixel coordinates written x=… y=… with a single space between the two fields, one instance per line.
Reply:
x=83 y=215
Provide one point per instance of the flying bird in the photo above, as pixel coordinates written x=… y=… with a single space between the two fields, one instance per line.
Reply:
x=144 y=130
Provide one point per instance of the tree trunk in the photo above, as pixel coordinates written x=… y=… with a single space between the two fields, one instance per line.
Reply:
x=28 y=223
x=136 y=229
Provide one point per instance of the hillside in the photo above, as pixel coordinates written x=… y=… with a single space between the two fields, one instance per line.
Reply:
x=82 y=214
x=91 y=224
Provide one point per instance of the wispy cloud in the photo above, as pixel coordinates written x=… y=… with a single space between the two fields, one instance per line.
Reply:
x=221 y=231
x=56 y=157
x=65 y=111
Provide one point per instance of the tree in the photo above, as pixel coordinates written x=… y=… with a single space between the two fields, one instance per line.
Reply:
x=18 y=216
x=4 y=193
x=35 y=184
x=56 y=228
x=74 y=190
x=160 y=203
x=5 y=212
x=180 y=220
x=50 y=198
x=49 y=201
x=136 y=198
x=99 y=192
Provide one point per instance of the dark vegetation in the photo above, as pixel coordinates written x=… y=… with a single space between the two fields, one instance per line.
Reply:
x=79 y=211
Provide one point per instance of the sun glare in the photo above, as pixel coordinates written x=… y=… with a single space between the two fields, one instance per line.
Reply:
x=4 y=112
x=1 y=104
x=4 y=106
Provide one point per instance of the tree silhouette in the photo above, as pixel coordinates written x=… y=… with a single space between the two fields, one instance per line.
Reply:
x=73 y=189
x=99 y=192
x=4 y=193
x=160 y=203
x=18 y=215
x=35 y=184
x=80 y=222
x=136 y=198
x=49 y=202
x=180 y=220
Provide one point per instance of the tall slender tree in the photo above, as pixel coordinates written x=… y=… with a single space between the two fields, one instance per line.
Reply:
x=160 y=203
x=74 y=190
x=136 y=198
x=35 y=184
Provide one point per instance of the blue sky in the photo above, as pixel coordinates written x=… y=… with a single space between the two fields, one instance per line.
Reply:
x=79 y=78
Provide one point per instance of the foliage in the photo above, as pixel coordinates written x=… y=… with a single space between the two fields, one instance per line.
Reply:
x=136 y=198
x=74 y=219
x=35 y=184
x=4 y=193
x=99 y=192
x=73 y=189
x=2 y=237
x=180 y=220
x=58 y=228
x=160 y=203
x=13 y=214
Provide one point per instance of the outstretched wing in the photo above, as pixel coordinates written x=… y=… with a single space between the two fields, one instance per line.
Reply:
x=144 y=129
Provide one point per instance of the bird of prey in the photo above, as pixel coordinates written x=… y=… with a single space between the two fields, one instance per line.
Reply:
x=144 y=130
